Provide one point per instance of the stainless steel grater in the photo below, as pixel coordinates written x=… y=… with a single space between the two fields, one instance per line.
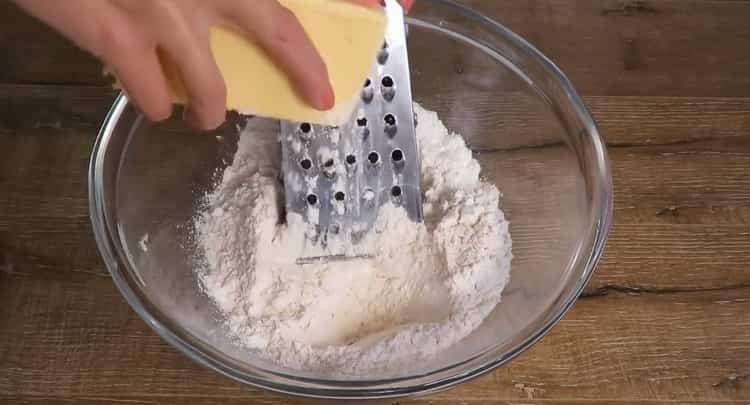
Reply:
x=337 y=178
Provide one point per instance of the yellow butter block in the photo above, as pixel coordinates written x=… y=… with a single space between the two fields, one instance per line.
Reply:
x=346 y=35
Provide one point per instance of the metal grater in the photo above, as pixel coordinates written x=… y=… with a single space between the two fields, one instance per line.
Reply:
x=337 y=178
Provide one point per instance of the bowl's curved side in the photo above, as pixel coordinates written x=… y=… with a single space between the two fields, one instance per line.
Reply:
x=105 y=161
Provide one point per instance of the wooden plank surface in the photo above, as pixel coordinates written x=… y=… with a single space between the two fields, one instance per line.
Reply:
x=666 y=318
x=607 y=47
x=275 y=400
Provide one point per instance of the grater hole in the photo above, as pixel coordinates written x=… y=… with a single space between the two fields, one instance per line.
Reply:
x=397 y=155
x=390 y=125
x=396 y=191
x=367 y=93
x=351 y=159
x=306 y=164
x=373 y=157
x=383 y=57
x=368 y=195
x=312 y=199
x=383 y=54
x=387 y=89
x=329 y=163
x=305 y=128
x=388 y=93
x=362 y=122
x=339 y=196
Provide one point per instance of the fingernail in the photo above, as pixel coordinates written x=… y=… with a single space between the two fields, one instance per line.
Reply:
x=326 y=100
x=199 y=121
x=190 y=118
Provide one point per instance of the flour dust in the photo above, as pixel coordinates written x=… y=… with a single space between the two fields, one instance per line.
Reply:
x=424 y=288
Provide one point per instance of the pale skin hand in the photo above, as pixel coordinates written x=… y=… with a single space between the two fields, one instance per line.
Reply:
x=125 y=35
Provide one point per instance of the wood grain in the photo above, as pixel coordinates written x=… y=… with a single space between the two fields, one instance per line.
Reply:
x=35 y=54
x=668 y=213
x=51 y=258
x=635 y=47
x=278 y=400
x=687 y=344
x=630 y=47
x=665 y=319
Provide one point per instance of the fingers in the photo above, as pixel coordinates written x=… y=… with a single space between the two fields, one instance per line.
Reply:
x=406 y=4
x=134 y=61
x=131 y=58
x=368 y=3
x=142 y=76
x=278 y=32
x=204 y=83
x=181 y=39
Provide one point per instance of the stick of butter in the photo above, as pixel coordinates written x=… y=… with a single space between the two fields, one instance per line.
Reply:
x=346 y=35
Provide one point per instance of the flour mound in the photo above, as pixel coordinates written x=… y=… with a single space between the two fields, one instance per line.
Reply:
x=426 y=287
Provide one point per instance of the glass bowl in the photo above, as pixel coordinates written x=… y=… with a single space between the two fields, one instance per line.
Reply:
x=523 y=119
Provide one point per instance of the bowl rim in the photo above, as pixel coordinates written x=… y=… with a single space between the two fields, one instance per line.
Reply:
x=601 y=206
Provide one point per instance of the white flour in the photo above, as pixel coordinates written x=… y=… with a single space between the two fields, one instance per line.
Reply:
x=428 y=285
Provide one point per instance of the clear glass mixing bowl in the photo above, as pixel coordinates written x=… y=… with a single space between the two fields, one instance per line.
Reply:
x=529 y=129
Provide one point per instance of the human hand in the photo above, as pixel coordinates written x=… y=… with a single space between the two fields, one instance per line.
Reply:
x=406 y=4
x=128 y=34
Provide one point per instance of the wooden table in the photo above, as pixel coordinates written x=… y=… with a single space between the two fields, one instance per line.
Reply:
x=666 y=318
